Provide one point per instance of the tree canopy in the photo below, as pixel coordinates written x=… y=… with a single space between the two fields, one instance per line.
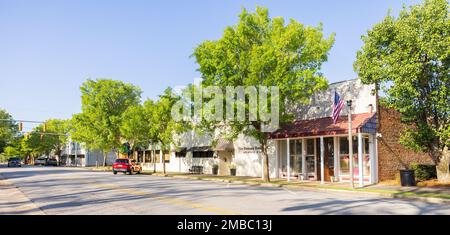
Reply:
x=408 y=57
x=8 y=129
x=264 y=51
x=135 y=126
x=103 y=103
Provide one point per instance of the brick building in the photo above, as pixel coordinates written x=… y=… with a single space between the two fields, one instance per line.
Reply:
x=392 y=156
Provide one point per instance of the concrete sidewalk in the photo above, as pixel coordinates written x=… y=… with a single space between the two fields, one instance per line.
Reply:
x=13 y=201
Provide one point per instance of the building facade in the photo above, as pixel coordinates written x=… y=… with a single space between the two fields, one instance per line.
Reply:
x=311 y=148
x=76 y=154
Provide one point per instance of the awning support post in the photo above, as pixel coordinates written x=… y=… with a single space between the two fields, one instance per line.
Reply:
x=288 y=152
x=322 y=161
x=360 y=160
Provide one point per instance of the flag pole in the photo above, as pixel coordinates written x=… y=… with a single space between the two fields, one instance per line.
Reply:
x=350 y=142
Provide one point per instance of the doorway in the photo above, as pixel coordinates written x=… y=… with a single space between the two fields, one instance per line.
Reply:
x=328 y=159
x=225 y=158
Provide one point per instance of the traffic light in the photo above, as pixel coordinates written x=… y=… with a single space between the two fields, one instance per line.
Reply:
x=20 y=126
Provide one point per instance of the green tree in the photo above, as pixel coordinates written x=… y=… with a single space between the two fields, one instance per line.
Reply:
x=135 y=127
x=57 y=132
x=8 y=129
x=52 y=139
x=14 y=148
x=103 y=103
x=162 y=125
x=408 y=57
x=258 y=51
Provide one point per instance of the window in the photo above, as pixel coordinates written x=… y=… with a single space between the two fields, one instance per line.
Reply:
x=344 y=156
x=157 y=156
x=148 y=156
x=122 y=160
x=203 y=154
x=167 y=157
x=180 y=154
x=310 y=154
x=295 y=160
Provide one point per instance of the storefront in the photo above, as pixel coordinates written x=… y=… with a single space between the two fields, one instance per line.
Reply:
x=318 y=150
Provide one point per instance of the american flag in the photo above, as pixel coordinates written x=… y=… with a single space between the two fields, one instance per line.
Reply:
x=337 y=106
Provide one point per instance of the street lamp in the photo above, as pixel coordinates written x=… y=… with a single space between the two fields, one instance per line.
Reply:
x=350 y=141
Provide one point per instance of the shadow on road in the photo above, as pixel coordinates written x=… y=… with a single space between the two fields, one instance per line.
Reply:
x=42 y=170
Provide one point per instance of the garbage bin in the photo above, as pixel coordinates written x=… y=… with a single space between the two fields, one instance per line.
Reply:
x=407 y=178
x=215 y=170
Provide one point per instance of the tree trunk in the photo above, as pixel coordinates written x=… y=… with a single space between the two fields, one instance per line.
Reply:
x=442 y=167
x=265 y=166
x=163 y=159
x=154 y=161
x=104 y=158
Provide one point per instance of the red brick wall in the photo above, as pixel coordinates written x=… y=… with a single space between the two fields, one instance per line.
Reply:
x=392 y=156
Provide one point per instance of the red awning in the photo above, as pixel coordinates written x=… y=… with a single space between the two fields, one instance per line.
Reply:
x=324 y=126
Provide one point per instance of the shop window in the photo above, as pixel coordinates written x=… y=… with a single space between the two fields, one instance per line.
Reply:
x=148 y=156
x=295 y=156
x=344 y=156
x=310 y=155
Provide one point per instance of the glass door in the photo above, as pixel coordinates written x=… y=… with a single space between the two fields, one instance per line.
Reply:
x=311 y=159
x=295 y=157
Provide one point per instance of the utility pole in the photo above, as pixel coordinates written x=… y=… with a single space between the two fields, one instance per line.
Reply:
x=350 y=142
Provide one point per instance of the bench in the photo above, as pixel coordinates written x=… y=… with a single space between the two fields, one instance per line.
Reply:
x=196 y=170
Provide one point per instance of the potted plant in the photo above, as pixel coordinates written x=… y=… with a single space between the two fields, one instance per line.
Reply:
x=233 y=169
x=215 y=169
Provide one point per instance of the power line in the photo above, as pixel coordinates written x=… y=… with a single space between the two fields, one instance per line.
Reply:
x=15 y=120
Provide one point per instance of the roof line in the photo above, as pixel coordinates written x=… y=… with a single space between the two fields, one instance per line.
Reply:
x=334 y=83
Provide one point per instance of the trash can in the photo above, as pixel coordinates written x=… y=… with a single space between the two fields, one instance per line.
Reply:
x=215 y=170
x=407 y=178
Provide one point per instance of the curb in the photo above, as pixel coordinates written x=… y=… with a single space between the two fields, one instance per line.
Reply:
x=33 y=206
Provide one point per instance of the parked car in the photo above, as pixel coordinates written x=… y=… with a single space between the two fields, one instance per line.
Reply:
x=51 y=162
x=14 y=161
x=40 y=161
x=126 y=165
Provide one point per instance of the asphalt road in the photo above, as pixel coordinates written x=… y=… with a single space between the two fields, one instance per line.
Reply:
x=57 y=190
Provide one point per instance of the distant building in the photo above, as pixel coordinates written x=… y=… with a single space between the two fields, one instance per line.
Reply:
x=76 y=154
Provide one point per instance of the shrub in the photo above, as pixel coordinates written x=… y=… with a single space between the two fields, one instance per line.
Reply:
x=424 y=172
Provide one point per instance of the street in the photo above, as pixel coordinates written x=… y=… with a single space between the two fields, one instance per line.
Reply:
x=58 y=190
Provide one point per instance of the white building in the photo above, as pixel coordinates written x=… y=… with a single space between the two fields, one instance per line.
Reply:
x=76 y=154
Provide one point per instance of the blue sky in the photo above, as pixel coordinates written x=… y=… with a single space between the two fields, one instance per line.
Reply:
x=48 y=48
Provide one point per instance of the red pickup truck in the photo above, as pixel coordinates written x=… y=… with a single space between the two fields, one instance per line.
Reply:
x=126 y=165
